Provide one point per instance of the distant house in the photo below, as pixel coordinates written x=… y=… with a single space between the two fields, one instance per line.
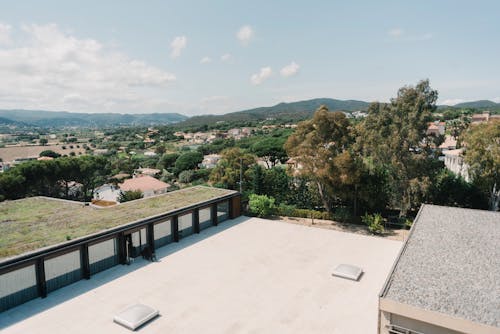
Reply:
x=294 y=166
x=147 y=171
x=210 y=160
x=454 y=161
x=148 y=185
x=480 y=118
x=449 y=143
x=149 y=154
x=436 y=128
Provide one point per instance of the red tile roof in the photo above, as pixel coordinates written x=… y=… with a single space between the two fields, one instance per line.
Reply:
x=143 y=183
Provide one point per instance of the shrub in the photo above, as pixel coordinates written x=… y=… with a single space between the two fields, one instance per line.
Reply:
x=286 y=210
x=49 y=153
x=342 y=215
x=374 y=223
x=186 y=176
x=130 y=195
x=261 y=205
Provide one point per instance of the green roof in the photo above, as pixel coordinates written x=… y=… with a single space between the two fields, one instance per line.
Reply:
x=36 y=222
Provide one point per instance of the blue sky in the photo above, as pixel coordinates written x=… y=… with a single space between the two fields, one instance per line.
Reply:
x=197 y=57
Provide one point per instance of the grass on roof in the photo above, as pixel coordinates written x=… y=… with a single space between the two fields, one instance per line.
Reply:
x=36 y=222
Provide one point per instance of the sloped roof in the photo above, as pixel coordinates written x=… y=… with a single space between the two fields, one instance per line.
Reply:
x=143 y=183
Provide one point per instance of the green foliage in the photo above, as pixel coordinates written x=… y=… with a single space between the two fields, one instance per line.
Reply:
x=187 y=161
x=234 y=162
x=270 y=150
x=343 y=215
x=322 y=147
x=374 y=223
x=130 y=195
x=43 y=141
x=292 y=211
x=186 y=176
x=483 y=157
x=450 y=189
x=54 y=177
x=167 y=160
x=261 y=205
x=392 y=135
x=49 y=153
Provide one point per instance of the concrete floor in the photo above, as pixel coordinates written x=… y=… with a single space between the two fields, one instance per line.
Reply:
x=247 y=275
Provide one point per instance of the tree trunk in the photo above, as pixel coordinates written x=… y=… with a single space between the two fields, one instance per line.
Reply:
x=324 y=198
x=494 y=198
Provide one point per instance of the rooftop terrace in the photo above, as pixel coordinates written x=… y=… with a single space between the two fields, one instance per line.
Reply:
x=246 y=275
x=32 y=223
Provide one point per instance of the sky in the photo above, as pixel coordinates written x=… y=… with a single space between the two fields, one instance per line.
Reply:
x=214 y=57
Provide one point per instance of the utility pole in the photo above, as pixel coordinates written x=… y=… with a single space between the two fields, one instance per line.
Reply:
x=241 y=175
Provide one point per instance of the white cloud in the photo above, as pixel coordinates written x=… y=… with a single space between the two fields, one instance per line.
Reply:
x=245 y=34
x=205 y=60
x=5 y=30
x=396 y=32
x=400 y=34
x=177 y=45
x=226 y=57
x=451 y=102
x=51 y=69
x=264 y=73
x=290 y=69
x=496 y=99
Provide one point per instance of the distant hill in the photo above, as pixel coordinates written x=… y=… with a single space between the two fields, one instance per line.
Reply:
x=43 y=118
x=478 y=104
x=293 y=111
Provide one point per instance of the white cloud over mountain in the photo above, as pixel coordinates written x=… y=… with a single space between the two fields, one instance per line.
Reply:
x=52 y=69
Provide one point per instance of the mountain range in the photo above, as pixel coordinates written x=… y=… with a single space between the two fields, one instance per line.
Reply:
x=43 y=118
x=293 y=111
x=287 y=112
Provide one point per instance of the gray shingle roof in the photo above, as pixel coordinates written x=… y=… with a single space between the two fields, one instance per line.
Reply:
x=451 y=264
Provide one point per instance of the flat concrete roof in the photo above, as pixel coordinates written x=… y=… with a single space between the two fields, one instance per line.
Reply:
x=451 y=264
x=32 y=223
x=246 y=275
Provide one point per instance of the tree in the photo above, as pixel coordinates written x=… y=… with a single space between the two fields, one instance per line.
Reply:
x=130 y=195
x=43 y=141
x=482 y=154
x=321 y=147
x=270 y=150
x=167 y=160
x=49 y=153
x=394 y=136
x=188 y=160
x=234 y=163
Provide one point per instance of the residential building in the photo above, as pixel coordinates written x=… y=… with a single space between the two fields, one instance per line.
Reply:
x=480 y=118
x=210 y=160
x=446 y=279
x=147 y=171
x=149 y=186
x=436 y=128
x=454 y=161
x=449 y=143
